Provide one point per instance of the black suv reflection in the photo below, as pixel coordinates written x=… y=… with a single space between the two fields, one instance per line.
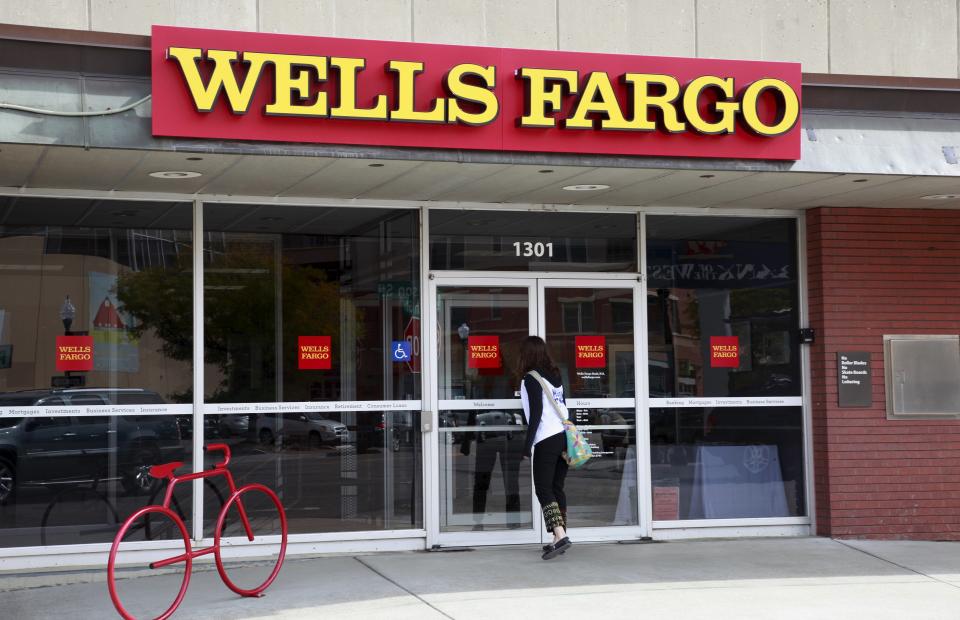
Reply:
x=52 y=449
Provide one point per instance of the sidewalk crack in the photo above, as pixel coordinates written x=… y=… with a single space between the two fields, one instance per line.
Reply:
x=892 y=563
x=407 y=590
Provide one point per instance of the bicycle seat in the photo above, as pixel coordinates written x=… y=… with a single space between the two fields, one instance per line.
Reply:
x=166 y=470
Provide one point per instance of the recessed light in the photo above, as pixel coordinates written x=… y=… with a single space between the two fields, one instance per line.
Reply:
x=544 y=171
x=940 y=197
x=707 y=176
x=860 y=180
x=375 y=165
x=585 y=187
x=175 y=174
x=194 y=159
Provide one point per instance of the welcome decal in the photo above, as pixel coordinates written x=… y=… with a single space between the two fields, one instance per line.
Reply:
x=257 y=86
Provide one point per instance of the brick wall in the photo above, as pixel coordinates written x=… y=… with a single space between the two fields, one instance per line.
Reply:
x=874 y=272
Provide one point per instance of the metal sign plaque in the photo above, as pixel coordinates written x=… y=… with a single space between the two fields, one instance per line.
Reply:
x=854 y=379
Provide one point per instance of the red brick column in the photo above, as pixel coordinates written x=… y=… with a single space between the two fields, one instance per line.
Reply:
x=874 y=272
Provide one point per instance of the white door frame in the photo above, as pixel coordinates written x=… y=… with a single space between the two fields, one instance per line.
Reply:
x=535 y=283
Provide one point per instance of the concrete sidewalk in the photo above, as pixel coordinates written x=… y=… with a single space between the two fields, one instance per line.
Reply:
x=768 y=578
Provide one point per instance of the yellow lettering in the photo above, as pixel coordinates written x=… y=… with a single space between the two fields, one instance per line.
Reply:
x=294 y=75
x=598 y=85
x=541 y=100
x=406 y=75
x=642 y=101
x=221 y=79
x=790 y=111
x=459 y=90
x=347 y=105
x=726 y=109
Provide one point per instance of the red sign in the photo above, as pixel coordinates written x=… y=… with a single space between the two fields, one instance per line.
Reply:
x=483 y=352
x=221 y=84
x=314 y=353
x=411 y=334
x=591 y=351
x=724 y=352
x=74 y=353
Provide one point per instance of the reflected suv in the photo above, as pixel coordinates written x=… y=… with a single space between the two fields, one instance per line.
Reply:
x=41 y=450
x=310 y=428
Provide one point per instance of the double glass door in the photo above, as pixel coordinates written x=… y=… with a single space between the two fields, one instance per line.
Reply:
x=484 y=487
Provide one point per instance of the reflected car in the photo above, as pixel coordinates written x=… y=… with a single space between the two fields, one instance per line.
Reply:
x=310 y=428
x=43 y=450
x=226 y=425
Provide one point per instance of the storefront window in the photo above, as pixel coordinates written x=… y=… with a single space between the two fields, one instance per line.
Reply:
x=727 y=462
x=312 y=353
x=95 y=363
x=724 y=367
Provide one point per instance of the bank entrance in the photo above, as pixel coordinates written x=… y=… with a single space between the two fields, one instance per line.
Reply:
x=484 y=491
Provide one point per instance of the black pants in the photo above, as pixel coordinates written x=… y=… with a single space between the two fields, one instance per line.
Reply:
x=549 y=474
x=488 y=449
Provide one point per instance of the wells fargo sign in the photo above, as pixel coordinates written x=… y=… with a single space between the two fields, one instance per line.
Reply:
x=74 y=353
x=724 y=351
x=591 y=351
x=256 y=86
x=314 y=353
x=483 y=352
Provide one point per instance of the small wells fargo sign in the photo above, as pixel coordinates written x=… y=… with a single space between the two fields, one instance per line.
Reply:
x=724 y=352
x=483 y=352
x=74 y=353
x=259 y=86
x=314 y=353
x=591 y=351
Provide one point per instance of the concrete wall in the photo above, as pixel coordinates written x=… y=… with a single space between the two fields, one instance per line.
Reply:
x=876 y=37
x=874 y=272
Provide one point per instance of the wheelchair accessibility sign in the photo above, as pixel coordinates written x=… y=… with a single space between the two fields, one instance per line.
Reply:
x=400 y=351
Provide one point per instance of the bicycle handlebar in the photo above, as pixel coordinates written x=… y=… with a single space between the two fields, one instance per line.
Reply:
x=221 y=447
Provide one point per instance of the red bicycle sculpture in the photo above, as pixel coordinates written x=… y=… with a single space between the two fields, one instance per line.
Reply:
x=144 y=520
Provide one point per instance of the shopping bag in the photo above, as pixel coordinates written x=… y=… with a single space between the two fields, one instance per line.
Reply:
x=578 y=451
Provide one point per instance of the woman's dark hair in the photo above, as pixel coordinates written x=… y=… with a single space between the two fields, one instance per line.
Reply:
x=534 y=356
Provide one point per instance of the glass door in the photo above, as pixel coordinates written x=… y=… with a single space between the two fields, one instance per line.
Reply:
x=484 y=491
x=483 y=485
x=589 y=328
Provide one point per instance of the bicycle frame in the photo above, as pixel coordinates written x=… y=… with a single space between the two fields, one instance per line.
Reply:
x=219 y=469
x=165 y=471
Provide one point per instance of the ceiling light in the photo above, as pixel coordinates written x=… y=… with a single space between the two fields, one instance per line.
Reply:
x=940 y=197
x=585 y=187
x=175 y=174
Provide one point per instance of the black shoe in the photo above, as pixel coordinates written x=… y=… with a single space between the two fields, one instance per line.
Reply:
x=558 y=549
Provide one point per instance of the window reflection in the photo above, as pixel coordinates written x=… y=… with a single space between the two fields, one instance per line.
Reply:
x=725 y=463
x=276 y=274
x=333 y=471
x=727 y=278
x=118 y=273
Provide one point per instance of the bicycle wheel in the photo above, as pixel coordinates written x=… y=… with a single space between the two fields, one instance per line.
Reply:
x=125 y=548
x=258 y=506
